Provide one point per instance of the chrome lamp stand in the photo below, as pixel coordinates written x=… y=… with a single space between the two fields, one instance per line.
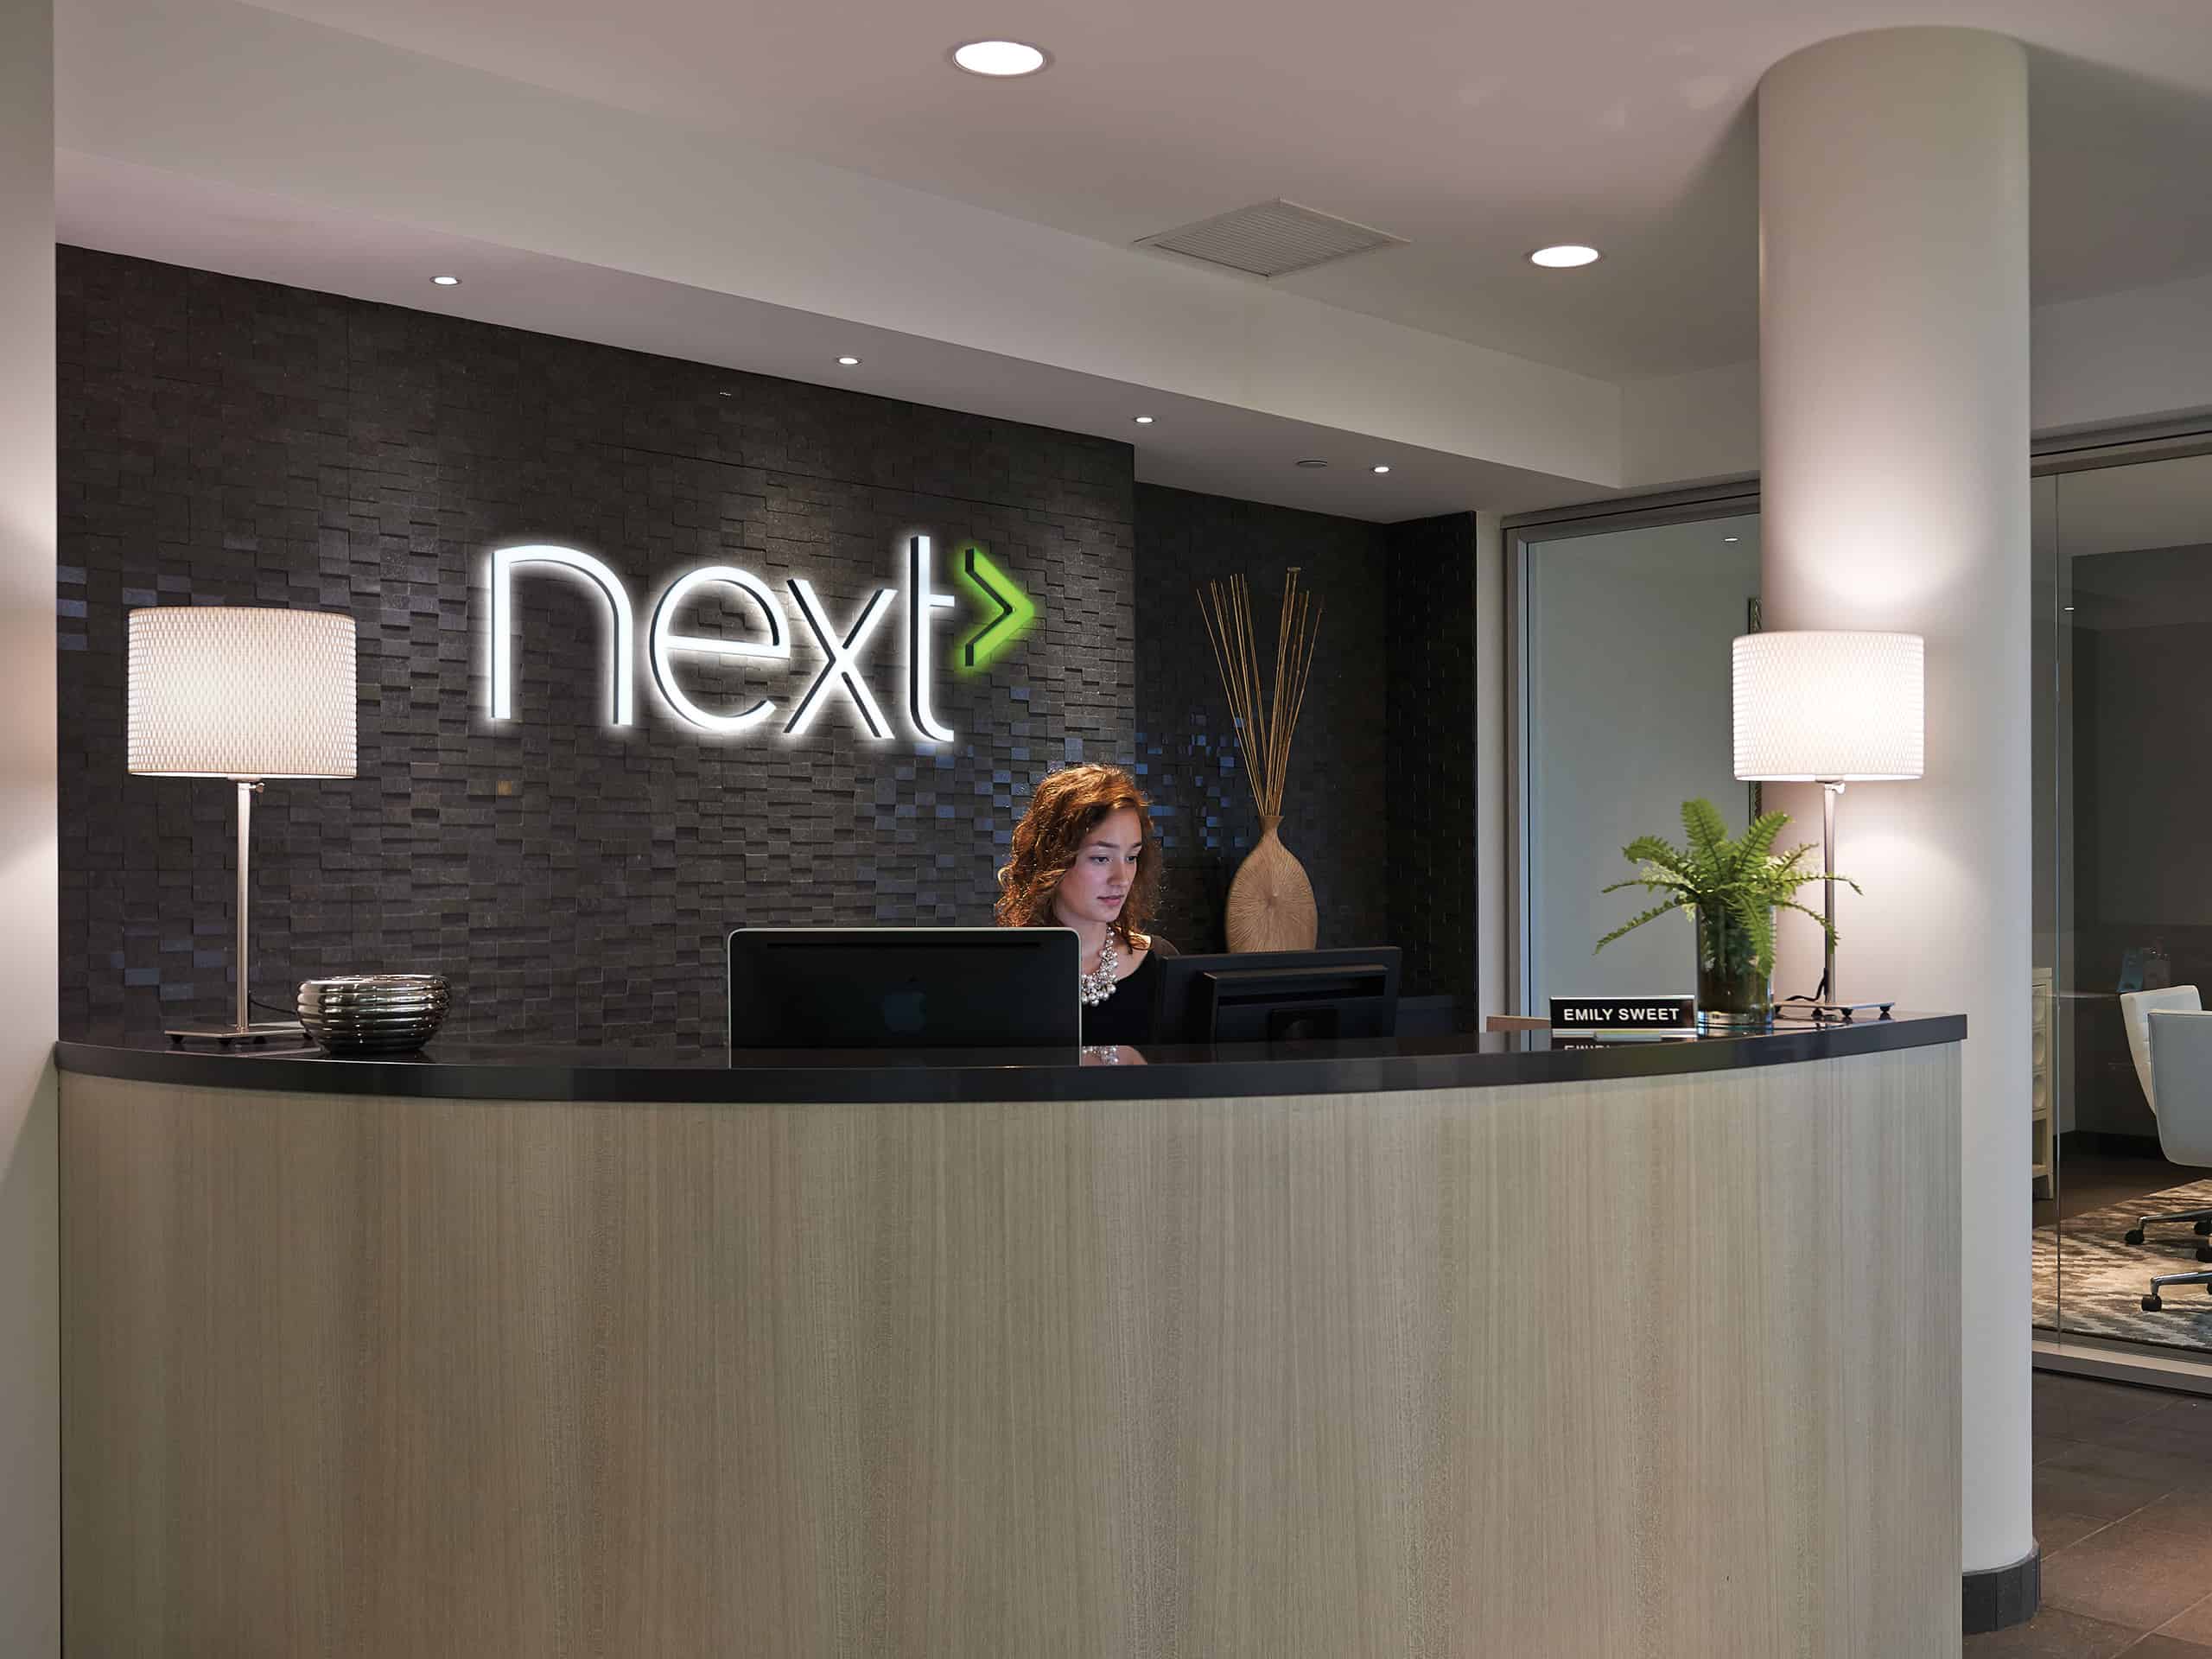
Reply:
x=1827 y=1005
x=241 y=1030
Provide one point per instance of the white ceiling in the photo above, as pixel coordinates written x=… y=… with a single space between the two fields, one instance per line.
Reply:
x=1478 y=131
x=1193 y=443
x=758 y=186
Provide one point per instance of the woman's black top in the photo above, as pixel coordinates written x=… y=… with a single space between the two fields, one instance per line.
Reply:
x=1126 y=1016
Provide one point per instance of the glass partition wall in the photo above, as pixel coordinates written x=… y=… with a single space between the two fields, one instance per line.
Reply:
x=1620 y=632
x=1624 y=710
x=2123 y=720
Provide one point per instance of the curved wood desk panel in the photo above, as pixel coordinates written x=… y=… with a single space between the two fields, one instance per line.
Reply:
x=1643 y=1366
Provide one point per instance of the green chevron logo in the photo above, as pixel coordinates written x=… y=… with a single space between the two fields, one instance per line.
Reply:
x=1013 y=611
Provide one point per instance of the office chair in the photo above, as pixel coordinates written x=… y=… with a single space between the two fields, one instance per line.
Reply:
x=2170 y=1036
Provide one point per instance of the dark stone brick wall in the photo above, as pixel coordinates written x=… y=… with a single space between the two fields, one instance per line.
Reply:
x=1430 y=694
x=1336 y=810
x=236 y=442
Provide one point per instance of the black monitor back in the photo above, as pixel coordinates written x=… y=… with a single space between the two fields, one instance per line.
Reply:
x=1277 y=996
x=904 y=988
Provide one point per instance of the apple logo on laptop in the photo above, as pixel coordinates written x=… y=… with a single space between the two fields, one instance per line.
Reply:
x=902 y=1011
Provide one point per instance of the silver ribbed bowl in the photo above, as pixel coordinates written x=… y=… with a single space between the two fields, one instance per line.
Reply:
x=374 y=1014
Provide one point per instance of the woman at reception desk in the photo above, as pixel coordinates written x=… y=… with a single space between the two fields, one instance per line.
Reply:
x=1085 y=858
x=1457 y=1345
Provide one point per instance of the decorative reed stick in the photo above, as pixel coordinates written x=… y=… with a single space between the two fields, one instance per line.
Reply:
x=1265 y=719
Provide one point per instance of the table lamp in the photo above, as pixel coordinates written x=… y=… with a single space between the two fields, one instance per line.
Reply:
x=1831 y=708
x=232 y=692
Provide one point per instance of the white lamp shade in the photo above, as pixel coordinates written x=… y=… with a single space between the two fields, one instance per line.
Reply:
x=1829 y=706
x=231 y=691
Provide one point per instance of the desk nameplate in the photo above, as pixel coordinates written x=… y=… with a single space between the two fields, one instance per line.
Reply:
x=1591 y=1016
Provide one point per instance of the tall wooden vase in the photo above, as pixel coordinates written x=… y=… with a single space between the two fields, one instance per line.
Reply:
x=1271 y=902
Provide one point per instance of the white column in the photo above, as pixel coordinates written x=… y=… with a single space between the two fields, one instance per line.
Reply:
x=30 y=1398
x=1893 y=373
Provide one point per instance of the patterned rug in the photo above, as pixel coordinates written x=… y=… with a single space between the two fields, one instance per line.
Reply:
x=2102 y=1278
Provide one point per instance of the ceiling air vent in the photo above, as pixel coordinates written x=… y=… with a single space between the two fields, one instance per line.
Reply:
x=1271 y=239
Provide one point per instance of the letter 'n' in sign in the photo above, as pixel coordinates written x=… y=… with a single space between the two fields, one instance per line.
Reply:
x=621 y=629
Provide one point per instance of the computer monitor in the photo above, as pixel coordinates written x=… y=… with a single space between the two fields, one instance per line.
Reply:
x=1277 y=996
x=904 y=988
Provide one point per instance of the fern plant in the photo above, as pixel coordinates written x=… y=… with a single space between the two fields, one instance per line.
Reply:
x=1734 y=886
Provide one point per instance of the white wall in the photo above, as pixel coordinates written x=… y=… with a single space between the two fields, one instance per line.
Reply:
x=30 y=1398
x=2112 y=360
x=1680 y=429
x=1629 y=715
x=2122 y=357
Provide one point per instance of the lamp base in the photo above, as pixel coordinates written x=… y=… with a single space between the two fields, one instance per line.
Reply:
x=1831 y=1013
x=259 y=1032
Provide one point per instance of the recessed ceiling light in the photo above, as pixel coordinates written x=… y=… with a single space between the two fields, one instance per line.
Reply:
x=1566 y=254
x=447 y=281
x=1379 y=468
x=850 y=362
x=998 y=58
x=1310 y=463
x=1144 y=420
x=1731 y=539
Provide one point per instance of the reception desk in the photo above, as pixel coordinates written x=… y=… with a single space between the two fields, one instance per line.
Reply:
x=1465 y=1346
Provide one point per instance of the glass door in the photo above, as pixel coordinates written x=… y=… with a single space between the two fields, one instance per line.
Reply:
x=2124 y=899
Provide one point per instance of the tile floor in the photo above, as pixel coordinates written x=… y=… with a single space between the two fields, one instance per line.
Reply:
x=2123 y=1497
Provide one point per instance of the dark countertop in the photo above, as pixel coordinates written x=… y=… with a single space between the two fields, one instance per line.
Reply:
x=492 y=1072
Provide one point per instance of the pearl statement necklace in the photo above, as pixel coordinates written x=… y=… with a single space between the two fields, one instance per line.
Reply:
x=1098 y=984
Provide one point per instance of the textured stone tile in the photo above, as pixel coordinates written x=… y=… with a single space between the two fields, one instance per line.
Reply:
x=2073 y=1407
x=2053 y=1633
x=2093 y=1491
x=2170 y=1468
x=2162 y=1645
x=2130 y=1574
x=2193 y=1625
x=2186 y=1510
x=1381 y=805
x=238 y=442
x=2056 y=1528
x=2182 y=1426
x=1435 y=910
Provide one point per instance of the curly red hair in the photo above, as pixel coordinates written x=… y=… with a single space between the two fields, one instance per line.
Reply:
x=1067 y=807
